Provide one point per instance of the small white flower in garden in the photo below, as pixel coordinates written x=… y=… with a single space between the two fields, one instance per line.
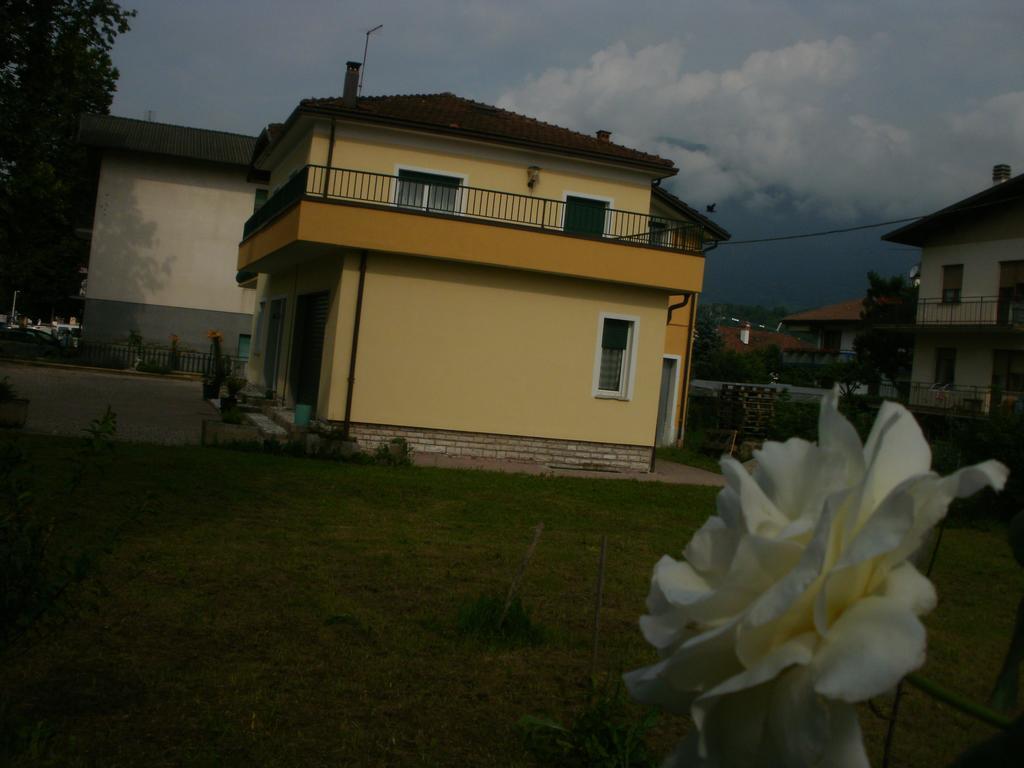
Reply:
x=798 y=598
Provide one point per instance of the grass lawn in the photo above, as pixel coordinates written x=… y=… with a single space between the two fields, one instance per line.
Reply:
x=264 y=610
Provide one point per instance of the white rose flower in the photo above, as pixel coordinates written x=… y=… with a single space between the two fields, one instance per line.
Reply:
x=798 y=598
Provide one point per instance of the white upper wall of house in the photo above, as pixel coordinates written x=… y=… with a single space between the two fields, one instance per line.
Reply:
x=166 y=232
x=981 y=266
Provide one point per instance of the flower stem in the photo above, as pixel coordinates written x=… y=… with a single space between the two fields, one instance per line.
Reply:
x=955 y=700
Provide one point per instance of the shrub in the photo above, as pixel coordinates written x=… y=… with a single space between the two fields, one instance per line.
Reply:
x=235 y=385
x=793 y=419
x=997 y=437
x=480 y=619
x=603 y=735
x=396 y=453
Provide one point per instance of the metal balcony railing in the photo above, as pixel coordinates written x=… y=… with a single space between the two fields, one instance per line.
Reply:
x=962 y=400
x=963 y=311
x=317 y=182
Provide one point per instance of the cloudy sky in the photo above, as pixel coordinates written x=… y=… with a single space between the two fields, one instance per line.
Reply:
x=792 y=116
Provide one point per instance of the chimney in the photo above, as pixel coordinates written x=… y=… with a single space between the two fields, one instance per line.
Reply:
x=604 y=136
x=745 y=333
x=349 y=97
x=1000 y=173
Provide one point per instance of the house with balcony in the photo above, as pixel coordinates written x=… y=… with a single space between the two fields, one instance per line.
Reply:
x=475 y=281
x=170 y=201
x=968 y=323
x=834 y=329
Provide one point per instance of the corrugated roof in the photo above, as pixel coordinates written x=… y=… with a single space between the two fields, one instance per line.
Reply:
x=917 y=232
x=124 y=133
x=448 y=113
x=848 y=311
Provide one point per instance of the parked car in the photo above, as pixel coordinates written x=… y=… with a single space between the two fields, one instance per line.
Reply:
x=28 y=342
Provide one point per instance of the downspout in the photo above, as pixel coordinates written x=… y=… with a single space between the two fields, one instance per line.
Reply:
x=355 y=346
x=657 y=426
x=330 y=159
x=686 y=372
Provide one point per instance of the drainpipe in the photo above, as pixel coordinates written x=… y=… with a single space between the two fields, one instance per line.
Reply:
x=686 y=372
x=355 y=345
x=672 y=308
x=330 y=159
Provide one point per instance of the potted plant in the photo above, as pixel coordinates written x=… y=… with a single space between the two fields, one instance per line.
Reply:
x=215 y=378
x=13 y=409
x=235 y=385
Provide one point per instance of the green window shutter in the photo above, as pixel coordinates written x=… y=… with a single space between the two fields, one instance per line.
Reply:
x=584 y=216
x=616 y=334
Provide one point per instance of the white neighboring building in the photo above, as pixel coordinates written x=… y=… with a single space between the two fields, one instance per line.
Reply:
x=969 y=319
x=170 y=203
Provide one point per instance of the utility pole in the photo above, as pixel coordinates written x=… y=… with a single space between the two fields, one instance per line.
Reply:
x=366 y=46
x=14 y=305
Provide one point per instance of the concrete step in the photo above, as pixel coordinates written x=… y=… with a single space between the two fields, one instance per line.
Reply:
x=285 y=417
x=269 y=429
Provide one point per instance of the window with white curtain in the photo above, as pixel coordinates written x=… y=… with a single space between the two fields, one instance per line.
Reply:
x=616 y=356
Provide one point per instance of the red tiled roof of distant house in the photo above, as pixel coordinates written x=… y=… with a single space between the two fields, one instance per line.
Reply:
x=759 y=339
x=844 y=312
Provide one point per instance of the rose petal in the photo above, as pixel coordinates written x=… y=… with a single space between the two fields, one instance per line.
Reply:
x=798 y=719
x=895 y=451
x=760 y=515
x=844 y=747
x=868 y=650
x=909 y=587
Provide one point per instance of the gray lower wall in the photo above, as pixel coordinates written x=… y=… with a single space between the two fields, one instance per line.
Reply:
x=107 y=320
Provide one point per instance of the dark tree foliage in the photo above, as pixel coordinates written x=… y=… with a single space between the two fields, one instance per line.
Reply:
x=54 y=65
x=887 y=352
x=707 y=342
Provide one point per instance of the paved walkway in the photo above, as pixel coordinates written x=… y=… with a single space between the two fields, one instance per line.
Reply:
x=149 y=409
x=664 y=471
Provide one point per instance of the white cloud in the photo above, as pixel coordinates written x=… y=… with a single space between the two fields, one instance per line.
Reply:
x=797 y=118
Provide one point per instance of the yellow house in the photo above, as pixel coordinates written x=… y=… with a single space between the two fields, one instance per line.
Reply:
x=478 y=282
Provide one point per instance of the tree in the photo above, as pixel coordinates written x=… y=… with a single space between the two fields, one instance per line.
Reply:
x=707 y=342
x=54 y=65
x=887 y=352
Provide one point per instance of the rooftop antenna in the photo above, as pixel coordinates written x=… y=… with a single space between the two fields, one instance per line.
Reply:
x=150 y=114
x=362 y=70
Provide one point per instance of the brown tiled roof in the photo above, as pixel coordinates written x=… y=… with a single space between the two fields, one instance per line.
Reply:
x=124 y=133
x=717 y=232
x=759 y=339
x=845 y=312
x=448 y=113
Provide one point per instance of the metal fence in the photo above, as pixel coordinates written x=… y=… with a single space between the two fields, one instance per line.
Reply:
x=568 y=217
x=963 y=310
x=950 y=398
x=124 y=356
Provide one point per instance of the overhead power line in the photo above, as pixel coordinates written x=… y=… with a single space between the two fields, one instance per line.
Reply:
x=842 y=230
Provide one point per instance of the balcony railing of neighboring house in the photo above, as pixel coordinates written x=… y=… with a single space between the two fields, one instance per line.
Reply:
x=964 y=311
x=816 y=357
x=962 y=400
x=317 y=182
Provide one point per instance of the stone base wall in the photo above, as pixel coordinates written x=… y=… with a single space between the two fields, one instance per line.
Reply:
x=569 y=453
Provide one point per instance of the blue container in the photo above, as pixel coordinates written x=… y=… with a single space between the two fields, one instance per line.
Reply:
x=302 y=414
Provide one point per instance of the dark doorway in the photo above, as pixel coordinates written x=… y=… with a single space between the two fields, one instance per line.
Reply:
x=273 y=349
x=310 y=326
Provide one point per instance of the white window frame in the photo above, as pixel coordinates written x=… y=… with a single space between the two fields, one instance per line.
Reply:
x=566 y=194
x=629 y=359
x=434 y=171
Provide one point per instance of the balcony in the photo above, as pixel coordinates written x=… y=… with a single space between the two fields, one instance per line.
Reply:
x=966 y=312
x=343 y=185
x=960 y=400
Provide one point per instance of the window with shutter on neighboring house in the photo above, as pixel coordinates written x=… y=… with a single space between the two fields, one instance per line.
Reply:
x=615 y=357
x=584 y=215
x=430 y=191
x=952 y=282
